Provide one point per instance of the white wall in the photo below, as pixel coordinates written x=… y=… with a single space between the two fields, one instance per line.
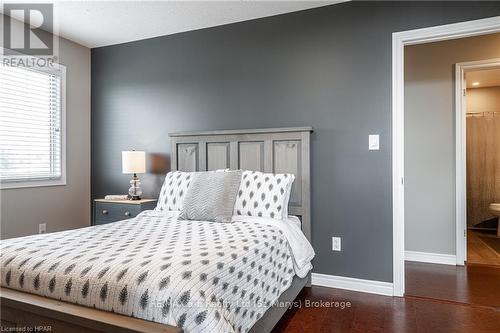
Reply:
x=430 y=138
x=61 y=207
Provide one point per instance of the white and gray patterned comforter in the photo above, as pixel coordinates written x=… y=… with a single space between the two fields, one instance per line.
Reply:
x=201 y=276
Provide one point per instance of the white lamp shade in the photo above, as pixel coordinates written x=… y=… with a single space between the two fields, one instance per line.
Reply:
x=133 y=161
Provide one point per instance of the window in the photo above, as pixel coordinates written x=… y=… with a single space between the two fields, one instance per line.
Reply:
x=32 y=138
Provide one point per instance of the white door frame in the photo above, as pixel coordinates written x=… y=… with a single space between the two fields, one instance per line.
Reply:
x=399 y=41
x=461 y=150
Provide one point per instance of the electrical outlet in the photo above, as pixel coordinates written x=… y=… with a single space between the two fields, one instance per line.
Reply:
x=42 y=228
x=336 y=244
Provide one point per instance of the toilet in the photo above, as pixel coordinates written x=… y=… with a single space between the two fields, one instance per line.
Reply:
x=495 y=210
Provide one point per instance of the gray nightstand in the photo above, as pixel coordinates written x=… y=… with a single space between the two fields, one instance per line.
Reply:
x=107 y=211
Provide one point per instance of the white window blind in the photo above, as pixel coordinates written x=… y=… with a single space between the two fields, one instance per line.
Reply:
x=30 y=125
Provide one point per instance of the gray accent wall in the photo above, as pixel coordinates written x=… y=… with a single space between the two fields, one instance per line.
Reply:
x=67 y=206
x=328 y=67
x=430 y=222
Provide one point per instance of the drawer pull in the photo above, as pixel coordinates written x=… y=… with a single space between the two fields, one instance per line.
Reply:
x=127 y=214
x=104 y=212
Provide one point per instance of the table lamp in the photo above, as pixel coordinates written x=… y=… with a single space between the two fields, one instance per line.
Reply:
x=134 y=162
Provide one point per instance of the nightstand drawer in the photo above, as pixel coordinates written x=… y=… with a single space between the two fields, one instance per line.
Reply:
x=109 y=212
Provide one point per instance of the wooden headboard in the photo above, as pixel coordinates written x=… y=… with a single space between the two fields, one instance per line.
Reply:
x=276 y=150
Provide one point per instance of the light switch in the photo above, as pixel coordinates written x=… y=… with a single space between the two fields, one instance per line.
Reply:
x=336 y=244
x=373 y=142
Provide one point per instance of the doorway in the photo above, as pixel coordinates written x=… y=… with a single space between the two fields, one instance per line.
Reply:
x=400 y=40
x=434 y=268
x=478 y=104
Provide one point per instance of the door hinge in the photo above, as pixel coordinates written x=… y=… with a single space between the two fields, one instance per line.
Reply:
x=402 y=181
x=465 y=233
x=464 y=92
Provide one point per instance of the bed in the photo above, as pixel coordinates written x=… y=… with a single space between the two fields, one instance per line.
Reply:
x=101 y=279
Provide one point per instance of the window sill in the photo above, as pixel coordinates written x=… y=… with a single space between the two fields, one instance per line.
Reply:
x=33 y=183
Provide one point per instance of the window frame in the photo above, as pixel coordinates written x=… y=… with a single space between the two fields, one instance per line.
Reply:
x=59 y=69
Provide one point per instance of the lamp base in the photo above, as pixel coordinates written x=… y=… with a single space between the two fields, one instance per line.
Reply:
x=135 y=191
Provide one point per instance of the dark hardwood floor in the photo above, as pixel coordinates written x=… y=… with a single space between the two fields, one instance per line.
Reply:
x=373 y=313
x=470 y=304
x=473 y=284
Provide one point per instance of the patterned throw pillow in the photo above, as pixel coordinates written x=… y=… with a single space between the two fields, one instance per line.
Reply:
x=211 y=196
x=174 y=190
x=264 y=194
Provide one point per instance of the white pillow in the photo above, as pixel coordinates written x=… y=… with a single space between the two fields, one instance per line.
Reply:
x=264 y=194
x=174 y=190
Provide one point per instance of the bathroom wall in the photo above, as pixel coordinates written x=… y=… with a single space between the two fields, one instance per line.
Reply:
x=485 y=99
x=430 y=138
x=483 y=152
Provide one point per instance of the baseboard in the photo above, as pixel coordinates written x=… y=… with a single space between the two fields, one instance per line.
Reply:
x=340 y=282
x=432 y=258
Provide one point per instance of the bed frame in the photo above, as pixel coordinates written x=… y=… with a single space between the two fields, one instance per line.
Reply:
x=276 y=150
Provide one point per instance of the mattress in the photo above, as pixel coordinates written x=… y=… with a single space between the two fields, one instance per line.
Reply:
x=198 y=275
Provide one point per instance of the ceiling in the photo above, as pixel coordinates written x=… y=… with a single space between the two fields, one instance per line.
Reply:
x=102 y=23
x=486 y=78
